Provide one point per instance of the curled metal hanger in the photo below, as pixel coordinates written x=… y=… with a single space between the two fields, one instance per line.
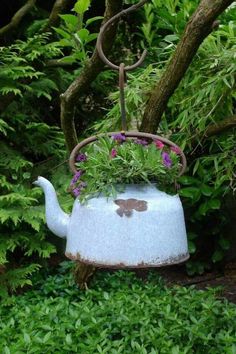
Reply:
x=103 y=30
x=121 y=68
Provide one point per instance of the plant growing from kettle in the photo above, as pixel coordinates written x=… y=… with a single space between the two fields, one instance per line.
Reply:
x=111 y=162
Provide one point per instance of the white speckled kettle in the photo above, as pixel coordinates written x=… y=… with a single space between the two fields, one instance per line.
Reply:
x=142 y=227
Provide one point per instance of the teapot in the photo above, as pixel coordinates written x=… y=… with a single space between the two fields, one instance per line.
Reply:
x=140 y=227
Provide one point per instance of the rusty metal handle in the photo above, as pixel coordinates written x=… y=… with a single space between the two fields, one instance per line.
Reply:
x=128 y=135
x=110 y=22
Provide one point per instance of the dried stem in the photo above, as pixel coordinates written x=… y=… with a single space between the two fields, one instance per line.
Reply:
x=218 y=128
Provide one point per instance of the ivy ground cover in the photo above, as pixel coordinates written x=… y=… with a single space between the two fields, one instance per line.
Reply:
x=120 y=313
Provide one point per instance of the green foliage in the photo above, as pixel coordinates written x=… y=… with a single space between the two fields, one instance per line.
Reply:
x=119 y=314
x=26 y=138
x=17 y=66
x=206 y=96
x=111 y=161
x=32 y=143
x=75 y=35
x=136 y=95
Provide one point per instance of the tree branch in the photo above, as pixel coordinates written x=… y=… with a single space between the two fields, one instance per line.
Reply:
x=218 y=128
x=197 y=29
x=58 y=7
x=88 y=74
x=16 y=19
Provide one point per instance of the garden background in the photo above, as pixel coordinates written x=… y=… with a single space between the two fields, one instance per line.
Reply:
x=55 y=91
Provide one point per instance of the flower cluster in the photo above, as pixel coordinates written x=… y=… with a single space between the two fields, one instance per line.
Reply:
x=119 y=138
x=106 y=162
x=76 y=186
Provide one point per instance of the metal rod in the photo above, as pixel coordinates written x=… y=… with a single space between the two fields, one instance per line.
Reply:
x=122 y=80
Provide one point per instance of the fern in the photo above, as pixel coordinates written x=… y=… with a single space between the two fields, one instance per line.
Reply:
x=26 y=139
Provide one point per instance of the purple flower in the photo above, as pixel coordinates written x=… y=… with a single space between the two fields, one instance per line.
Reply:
x=113 y=153
x=141 y=142
x=82 y=185
x=166 y=159
x=76 y=192
x=81 y=158
x=120 y=138
x=77 y=176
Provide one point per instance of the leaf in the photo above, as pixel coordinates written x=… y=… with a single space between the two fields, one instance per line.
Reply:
x=68 y=59
x=171 y=38
x=46 y=337
x=190 y=192
x=217 y=256
x=91 y=20
x=68 y=339
x=62 y=33
x=196 y=166
x=191 y=247
x=206 y=190
x=71 y=20
x=214 y=203
x=224 y=243
x=83 y=34
x=106 y=295
x=27 y=338
x=81 y=6
x=91 y=37
x=188 y=180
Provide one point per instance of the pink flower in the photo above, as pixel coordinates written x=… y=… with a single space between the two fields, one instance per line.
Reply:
x=175 y=149
x=113 y=153
x=159 y=144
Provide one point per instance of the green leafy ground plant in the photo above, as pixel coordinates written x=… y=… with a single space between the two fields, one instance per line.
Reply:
x=119 y=314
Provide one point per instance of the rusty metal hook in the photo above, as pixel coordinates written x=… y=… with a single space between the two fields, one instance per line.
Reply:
x=103 y=30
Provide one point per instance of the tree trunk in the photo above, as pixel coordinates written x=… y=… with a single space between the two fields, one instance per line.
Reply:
x=90 y=71
x=16 y=19
x=197 y=29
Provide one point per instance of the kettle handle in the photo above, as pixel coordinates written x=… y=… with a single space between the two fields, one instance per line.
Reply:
x=129 y=135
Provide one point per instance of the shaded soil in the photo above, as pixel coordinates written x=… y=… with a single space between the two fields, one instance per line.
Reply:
x=226 y=279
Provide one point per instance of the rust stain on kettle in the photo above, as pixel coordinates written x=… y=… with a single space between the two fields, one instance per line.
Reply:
x=126 y=206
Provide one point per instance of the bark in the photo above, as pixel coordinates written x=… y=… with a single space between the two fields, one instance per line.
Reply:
x=57 y=63
x=218 y=128
x=197 y=29
x=58 y=8
x=16 y=19
x=87 y=75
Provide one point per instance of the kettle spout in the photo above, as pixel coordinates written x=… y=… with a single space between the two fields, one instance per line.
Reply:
x=57 y=220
